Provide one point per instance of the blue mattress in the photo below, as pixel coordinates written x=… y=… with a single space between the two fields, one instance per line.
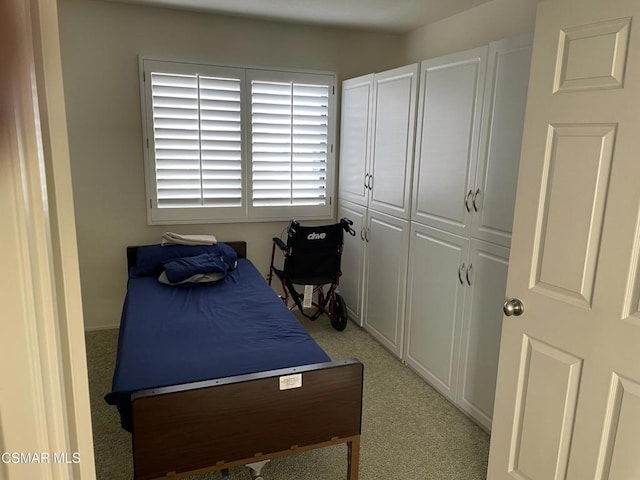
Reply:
x=173 y=335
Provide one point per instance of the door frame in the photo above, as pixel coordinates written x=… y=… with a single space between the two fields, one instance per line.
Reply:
x=43 y=245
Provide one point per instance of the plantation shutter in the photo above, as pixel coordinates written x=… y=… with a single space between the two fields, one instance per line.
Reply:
x=220 y=142
x=289 y=143
x=176 y=140
x=197 y=138
x=236 y=144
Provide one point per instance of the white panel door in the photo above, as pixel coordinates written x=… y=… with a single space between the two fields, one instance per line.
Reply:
x=449 y=114
x=505 y=98
x=435 y=301
x=356 y=122
x=353 y=260
x=395 y=96
x=568 y=393
x=486 y=279
x=387 y=248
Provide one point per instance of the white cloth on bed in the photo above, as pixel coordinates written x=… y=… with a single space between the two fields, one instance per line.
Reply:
x=197 y=278
x=170 y=238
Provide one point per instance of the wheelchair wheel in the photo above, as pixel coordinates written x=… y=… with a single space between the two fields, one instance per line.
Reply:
x=339 y=319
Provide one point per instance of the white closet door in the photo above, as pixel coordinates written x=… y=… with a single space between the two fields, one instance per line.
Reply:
x=449 y=114
x=486 y=279
x=393 y=141
x=351 y=282
x=357 y=112
x=386 y=275
x=436 y=288
x=505 y=100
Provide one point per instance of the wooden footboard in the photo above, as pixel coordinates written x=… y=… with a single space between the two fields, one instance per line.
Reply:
x=205 y=426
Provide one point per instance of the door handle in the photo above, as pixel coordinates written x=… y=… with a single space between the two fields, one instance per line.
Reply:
x=366 y=181
x=469 y=268
x=362 y=233
x=466 y=201
x=366 y=235
x=475 y=196
x=514 y=307
x=460 y=274
x=370 y=182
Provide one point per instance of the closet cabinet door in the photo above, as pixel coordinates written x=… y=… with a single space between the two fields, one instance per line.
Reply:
x=387 y=241
x=436 y=288
x=395 y=101
x=355 y=134
x=351 y=282
x=482 y=327
x=505 y=100
x=449 y=115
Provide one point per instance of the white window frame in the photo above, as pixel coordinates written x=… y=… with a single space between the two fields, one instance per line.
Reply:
x=245 y=212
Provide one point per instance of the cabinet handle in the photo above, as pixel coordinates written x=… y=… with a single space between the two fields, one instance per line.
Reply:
x=460 y=274
x=370 y=182
x=467 y=274
x=466 y=201
x=362 y=233
x=366 y=235
x=475 y=196
x=366 y=181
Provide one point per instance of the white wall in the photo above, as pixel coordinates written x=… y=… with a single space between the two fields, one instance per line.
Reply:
x=475 y=27
x=101 y=42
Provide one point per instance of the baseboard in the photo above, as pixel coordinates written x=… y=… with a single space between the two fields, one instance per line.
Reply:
x=102 y=327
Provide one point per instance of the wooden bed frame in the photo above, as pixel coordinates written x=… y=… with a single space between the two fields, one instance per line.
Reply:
x=206 y=426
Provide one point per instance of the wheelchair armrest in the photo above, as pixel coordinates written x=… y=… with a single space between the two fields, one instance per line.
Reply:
x=281 y=245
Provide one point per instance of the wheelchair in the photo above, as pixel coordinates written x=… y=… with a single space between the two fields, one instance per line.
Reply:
x=312 y=258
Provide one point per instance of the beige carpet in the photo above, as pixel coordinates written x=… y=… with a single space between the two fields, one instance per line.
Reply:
x=410 y=432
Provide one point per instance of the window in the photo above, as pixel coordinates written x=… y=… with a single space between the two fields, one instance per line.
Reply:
x=236 y=143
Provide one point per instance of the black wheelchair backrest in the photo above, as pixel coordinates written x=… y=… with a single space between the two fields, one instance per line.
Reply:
x=314 y=251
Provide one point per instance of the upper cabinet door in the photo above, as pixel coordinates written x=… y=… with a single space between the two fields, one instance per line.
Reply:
x=449 y=115
x=393 y=140
x=505 y=99
x=357 y=116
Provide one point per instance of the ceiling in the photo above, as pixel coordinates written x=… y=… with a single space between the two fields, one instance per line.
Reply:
x=385 y=15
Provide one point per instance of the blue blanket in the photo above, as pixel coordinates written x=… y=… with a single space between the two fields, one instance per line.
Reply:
x=170 y=336
x=183 y=268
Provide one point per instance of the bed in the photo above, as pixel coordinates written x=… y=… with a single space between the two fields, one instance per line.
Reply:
x=212 y=377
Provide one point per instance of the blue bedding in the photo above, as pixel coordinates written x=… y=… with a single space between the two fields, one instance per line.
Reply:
x=172 y=335
x=181 y=269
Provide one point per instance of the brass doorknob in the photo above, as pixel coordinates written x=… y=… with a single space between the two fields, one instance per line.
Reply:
x=514 y=307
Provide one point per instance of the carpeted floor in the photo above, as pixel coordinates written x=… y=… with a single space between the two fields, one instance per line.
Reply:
x=410 y=432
